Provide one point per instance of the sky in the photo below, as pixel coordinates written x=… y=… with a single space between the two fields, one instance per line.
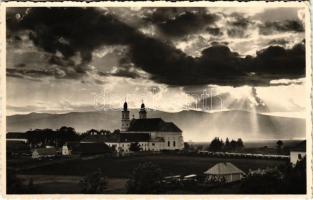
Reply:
x=85 y=59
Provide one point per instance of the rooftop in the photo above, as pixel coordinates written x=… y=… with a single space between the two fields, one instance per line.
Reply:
x=153 y=124
x=224 y=168
x=120 y=137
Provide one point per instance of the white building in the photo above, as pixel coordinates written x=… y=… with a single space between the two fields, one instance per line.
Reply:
x=224 y=172
x=65 y=150
x=298 y=152
x=163 y=135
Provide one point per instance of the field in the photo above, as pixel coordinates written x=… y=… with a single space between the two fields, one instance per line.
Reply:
x=170 y=164
x=63 y=177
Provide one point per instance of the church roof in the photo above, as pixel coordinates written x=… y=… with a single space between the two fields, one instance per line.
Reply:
x=152 y=124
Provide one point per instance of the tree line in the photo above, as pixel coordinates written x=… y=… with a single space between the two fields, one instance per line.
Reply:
x=218 y=144
x=57 y=137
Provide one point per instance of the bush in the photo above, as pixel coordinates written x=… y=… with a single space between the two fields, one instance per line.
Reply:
x=94 y=183
x=145 y=179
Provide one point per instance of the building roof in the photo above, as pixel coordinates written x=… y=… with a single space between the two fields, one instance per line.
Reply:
x=46 y=151
x=152 y=124
x=129 y=137
x=224 y=168
x=115 y=138
x=299 y=147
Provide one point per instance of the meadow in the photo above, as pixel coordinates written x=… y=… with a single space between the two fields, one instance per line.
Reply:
x=170 y=165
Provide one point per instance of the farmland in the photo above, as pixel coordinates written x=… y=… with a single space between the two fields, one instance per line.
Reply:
x=64 y=176
x=170 y=164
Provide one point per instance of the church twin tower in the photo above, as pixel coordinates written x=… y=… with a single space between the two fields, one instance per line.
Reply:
x=125 y=116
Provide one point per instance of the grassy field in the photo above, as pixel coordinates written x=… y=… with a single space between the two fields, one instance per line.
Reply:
x=122 y=167
x=51 y=184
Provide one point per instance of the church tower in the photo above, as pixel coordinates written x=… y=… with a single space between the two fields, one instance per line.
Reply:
x=142 y=112
x=125 y=118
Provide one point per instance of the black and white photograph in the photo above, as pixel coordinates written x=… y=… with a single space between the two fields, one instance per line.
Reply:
x=164 y=100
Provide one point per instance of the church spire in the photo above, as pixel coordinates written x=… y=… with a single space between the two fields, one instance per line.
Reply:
x=142 y=112
x=125 y=117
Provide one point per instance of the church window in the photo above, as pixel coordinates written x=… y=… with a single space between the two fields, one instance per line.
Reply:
x=174 y=143
x=168 y=143
x=152 y=144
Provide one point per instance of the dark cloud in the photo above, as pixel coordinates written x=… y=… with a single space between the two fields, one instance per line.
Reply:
x=217 y=65
x=179 y=22
x=237 y=25
x=69 y=31
x=214 y=31
x=269 y=28
x=238 y=20
x=73 y=31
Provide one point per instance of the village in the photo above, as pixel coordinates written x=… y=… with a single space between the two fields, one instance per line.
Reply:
x=142 y=142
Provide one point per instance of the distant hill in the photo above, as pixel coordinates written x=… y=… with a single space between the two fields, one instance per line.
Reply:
x=196 y=125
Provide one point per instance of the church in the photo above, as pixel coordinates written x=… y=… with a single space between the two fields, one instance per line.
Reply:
x=151 y=134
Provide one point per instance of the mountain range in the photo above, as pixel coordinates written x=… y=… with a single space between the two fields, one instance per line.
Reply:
x=196 y=125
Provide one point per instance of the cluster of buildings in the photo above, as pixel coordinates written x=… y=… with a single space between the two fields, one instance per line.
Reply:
x=152 y=134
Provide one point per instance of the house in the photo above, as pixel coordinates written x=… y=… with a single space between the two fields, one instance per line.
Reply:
x=297 y=152
x=44 y=153
x=224 y=172
x=66 y=151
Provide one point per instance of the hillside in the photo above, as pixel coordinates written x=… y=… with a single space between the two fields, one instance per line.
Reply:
x=196 y=125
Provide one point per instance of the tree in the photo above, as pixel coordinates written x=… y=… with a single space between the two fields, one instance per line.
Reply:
x=279 y=144
x=145 y=179
x=227 y=145
x=283 y=180
x=295 y=178
x=216 y=145
x=269 y=183
x=239 y=143
x=135 y=147
x=94 y=183
x=186 y=146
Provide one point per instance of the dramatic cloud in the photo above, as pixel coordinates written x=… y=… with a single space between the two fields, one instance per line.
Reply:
x=281 y=26
x=237 y=25
x=218 y=64
x=71 y=36
x=67 y=32
x=178 y=22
